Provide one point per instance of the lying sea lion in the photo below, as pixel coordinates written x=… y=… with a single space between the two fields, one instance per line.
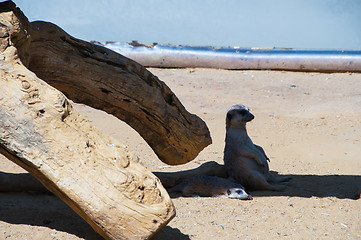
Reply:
x=210 y=186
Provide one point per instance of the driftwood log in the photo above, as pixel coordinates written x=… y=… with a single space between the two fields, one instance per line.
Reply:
x=41 y=131
x=103 y=79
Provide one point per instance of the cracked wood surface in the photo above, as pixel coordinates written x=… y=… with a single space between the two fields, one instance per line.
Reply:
x=100 y=78
x=41 y=132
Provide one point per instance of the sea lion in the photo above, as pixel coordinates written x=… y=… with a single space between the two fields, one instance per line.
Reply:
x=210 y=186
x=244 y=161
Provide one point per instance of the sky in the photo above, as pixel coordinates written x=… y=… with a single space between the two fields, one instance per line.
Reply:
x=308 y=24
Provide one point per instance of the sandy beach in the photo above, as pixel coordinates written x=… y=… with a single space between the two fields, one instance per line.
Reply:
x=309 y=125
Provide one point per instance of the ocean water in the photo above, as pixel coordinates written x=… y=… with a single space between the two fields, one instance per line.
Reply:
x=310 y=24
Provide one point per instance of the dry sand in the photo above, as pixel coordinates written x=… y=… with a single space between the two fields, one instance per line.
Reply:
x=309 y=125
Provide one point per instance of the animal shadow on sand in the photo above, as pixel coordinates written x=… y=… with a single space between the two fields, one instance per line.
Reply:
x=339 y=186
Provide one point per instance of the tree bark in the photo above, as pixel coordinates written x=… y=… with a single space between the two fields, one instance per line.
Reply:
x=41 y=131
x=103 y=79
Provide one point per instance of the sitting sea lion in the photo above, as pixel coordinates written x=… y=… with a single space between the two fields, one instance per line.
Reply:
x=244 y=161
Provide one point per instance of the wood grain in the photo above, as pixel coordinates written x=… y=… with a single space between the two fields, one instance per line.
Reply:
x=41 y=131
x=100 y=78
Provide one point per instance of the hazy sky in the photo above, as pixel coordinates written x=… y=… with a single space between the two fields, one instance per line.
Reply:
x=245 y=23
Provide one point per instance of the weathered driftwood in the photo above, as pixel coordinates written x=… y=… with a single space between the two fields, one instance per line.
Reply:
x=93 y=174
x=106 y=80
